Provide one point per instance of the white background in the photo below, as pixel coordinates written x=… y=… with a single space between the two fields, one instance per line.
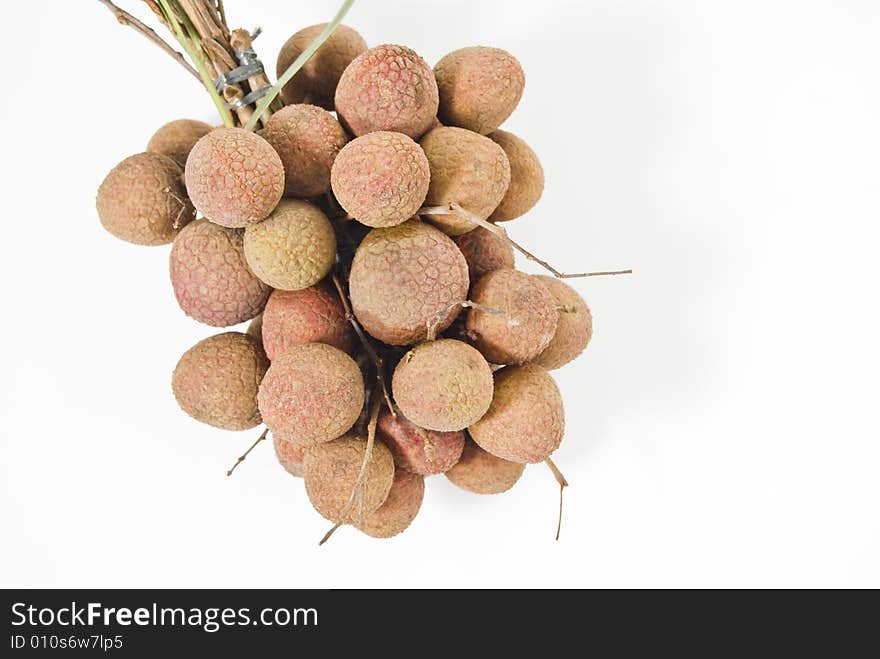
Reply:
x=722 y=427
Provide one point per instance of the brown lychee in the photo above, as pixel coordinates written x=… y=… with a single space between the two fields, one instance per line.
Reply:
x=483 y=473
x=526 y=421
x=293 y=248
x=404 y=279
x=466 y=169
x=316 y=81
x=290 y=455
x=526 y=320
x=311 y=393
x=400 y=507
x=418 y=450
x=526 y=177
x=574 y=325
x=388 y=87
x=177 y=138
x=381 y=178
x=142 y=200
x=443 y=385
x=210 y=277
x=479 y=87
x=234 y=177
x=216 y=381
x=484 y=252
x=307 y=139
x=331 y=470
x=312 y=315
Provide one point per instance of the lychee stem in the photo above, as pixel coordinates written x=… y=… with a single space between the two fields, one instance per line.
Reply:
x=434 y=323
x=365 y=342
x=124 y=18
x=455 y=209
x=359 y=483
x=297 y=64
x=244 y=455
x=563 y=483
x=187 y=38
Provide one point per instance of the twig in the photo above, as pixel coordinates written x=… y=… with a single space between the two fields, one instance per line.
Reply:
x=455 y=209
x=297 y=64
x=241 y=40
x=365 y=342
x=368 y=454
x=242 y=457
x=128 y=20
x=563 y=483
x=186 y=37
x=434 y=323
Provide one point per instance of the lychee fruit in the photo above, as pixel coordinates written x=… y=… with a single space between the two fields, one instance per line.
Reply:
x=381 y=178
x=526 y=177
x=484 y=252
x=574 y=325
x=479 y=87
x=483 y=473
x=331 y=471
x=525 y=421
x=466 y=169
x=293 y=248
x=525 y=318
x=311 y=315
x=405 y=279
x=216 y=381
x=316 y=81
x=307 y=139
x=415 y=449
x=387 y=88
x=399 y=510
x=143 y=201
x=211 y=278
x=177 y=138
x=234 y=177
x=443 y=385
x=311 y=393
x=290 y=455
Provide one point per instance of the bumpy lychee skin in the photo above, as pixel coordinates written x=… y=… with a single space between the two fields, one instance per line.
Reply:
x=466 y=169
x=525 y=422
x=216 y=381
x=312 y=315
x=404 y=279
x=331 y=471
x=234 y=177
x=293 y=248
x=574 y=326
x=443 y=385
x=484 y=252
x=415 y=449
x=399 y=510
x=479 y=87
x=381 y=178
x=307 y=139
x=177 y=138
x=526 y=177
x=311 y=393
x=316 y=81
x=483 y=473
x=210 y=277
x=142 y=200
x=290 y=455
x=526 y=322
x=387 y=88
